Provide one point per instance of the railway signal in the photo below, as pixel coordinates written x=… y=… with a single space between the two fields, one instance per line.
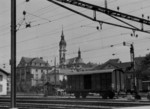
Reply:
x=132 y=63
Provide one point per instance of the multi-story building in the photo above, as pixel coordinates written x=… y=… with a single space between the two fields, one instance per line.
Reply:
x=3 y=82
x=31 y=72
x=9 y=83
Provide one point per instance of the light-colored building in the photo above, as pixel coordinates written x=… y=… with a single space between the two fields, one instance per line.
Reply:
x=3 y=82
x=31 y=72
x=8 y=83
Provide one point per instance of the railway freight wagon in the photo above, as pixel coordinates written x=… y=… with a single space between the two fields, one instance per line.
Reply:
x=104 y=82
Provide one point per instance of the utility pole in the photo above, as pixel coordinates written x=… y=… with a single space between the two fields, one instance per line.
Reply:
x=132 y=65
x=13 y=54
x=55 y=71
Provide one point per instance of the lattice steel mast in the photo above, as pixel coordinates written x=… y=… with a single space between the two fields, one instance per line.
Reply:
x=114 y=14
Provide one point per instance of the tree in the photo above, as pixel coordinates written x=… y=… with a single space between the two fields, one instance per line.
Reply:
x=145 y=67
x=63 y=83
x=146 y=62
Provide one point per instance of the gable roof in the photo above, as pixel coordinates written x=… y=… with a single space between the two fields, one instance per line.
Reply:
x=37 y=60
x=3 y=71
x=113 y=62
x=123 y=65
x=117 y=64
x=31 y=60
x=26 y=60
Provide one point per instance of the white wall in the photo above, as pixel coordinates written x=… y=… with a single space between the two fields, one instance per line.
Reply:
x=4 y=84
x=37 y=74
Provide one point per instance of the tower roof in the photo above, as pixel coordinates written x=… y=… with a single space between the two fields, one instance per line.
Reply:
x=62 y=41
x=79 y=53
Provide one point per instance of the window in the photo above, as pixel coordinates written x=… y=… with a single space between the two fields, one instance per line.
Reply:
x=36 y=76
x=1 y=77
x=46 y=64
x=1 y=88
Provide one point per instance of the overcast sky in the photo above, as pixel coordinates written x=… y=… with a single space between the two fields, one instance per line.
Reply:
x=47 y=20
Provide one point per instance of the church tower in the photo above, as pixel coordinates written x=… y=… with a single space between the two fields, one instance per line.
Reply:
x=62 y=50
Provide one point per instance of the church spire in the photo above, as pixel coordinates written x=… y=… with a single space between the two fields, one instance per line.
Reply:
x=62 y=34
x=79 y=53
x=62 y=42
x=62 y=49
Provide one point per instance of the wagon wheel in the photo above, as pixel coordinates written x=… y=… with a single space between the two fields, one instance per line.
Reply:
x=111 y=95
x=104 y=95
x=77 y=95
x=84 y=95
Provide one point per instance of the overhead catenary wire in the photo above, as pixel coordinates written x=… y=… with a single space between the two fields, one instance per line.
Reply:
x=57 y=8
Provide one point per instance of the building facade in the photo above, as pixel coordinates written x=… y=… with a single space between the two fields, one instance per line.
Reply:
x=31 y=72
x=3 y=82
x=76 y=62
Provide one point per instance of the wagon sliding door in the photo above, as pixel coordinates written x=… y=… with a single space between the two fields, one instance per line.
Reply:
x=87 y=82
x=105 y=81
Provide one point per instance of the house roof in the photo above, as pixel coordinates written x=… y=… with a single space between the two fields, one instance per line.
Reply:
x=30 y=60
x=117 y=64
x=26 y=60
x=123 y=65
x=113 y=61
x=3 y=71
x=37 y=60
x=90 y=72
x=74 y=60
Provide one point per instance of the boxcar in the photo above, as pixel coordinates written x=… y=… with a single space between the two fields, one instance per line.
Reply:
x=104 y=82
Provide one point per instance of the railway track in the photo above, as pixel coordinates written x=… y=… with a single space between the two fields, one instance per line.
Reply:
x=69 y=103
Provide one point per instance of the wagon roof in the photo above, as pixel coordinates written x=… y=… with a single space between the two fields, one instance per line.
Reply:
x=90 y=72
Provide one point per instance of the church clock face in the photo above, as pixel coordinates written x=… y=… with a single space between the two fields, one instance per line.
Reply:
x=63 y=48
